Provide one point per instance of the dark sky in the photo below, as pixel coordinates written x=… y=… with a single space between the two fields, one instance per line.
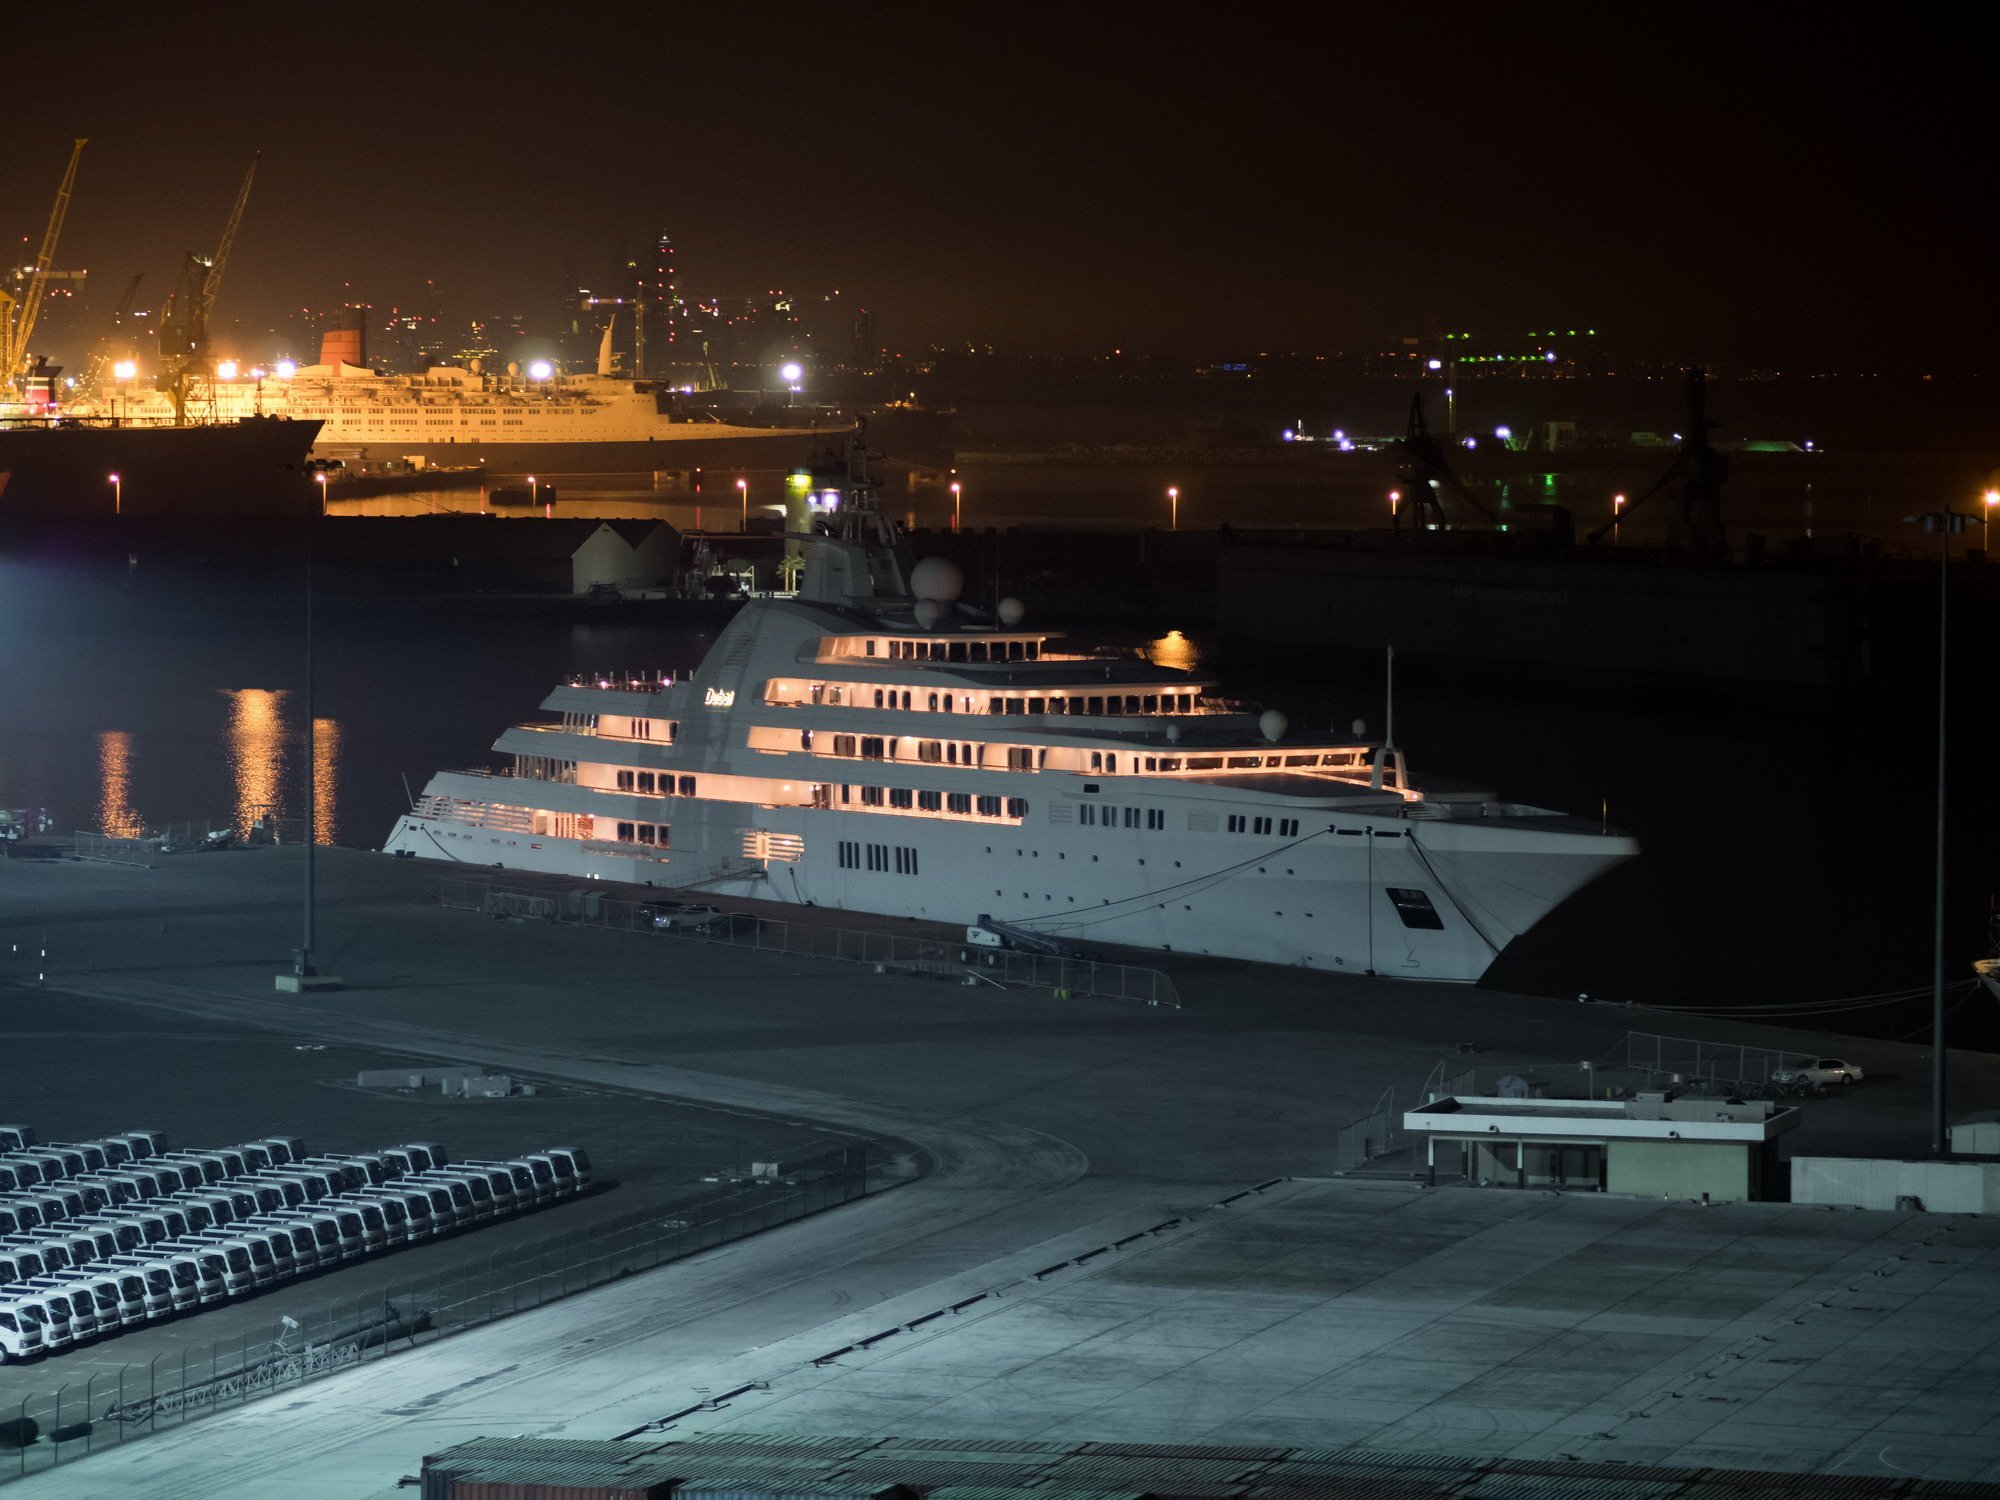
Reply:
x=1211 y=180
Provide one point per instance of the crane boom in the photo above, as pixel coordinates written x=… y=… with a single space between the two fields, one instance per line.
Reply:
x=14 y=349
x=213 y=280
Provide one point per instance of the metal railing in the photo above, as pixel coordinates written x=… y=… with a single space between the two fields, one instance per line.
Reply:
x=1067 y=978
x=1685 y=1060
x=1380 y=1132
x=108 y=1407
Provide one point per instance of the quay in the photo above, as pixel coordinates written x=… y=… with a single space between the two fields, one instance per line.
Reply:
x=1139 y=1212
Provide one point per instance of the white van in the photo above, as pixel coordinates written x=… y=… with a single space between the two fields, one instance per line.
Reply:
x=20 y=1328
x=32 y=1309
x=78 y=1305
x=171 y=1277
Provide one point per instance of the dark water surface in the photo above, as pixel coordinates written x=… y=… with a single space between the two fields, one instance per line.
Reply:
x=1788 y=854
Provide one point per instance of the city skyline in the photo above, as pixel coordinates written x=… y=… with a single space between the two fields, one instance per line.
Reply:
x=1744 y=191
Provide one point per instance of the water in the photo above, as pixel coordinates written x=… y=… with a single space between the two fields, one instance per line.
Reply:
x=1788 y=855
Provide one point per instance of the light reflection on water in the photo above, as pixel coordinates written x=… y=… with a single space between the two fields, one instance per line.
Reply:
x=1174 y=650
x=326 y=760
x=256 y=737
x=115 y=816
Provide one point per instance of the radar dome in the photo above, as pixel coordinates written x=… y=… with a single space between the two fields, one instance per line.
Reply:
x=513 y=367
x=1273 y=724
x=1174 y=734
x=937 y=578
x=928 y=613
x=1012 y=612
x=1361 y=729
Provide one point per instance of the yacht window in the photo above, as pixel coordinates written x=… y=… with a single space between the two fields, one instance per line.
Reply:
x=899 y=796
x=1015 y=651
x=846 y=793
x=1113 y=705
x=1262 y=825
x=989 y=807
x=871 y=796
x=1017 y=807
x=951 y=753
x=1156 y=817
x=1152 y=703
x=1020 y=758
x=1037 y=705
x=933 y=702
x=624 y=833
x=1094 y=705
x=687 y=786
x=870 y=651
x=646 y=778
x=871 y=747
x=878 y=697
x=1237 y=822
x=1288 y=827
x=958 y=802
x=930 y=801
x=996 y=705
x=956 y=649
x=1414 y=907
x=1131 y=817
x=805 y=739
x=906 y=700
x=645 y=833
x=624 y=781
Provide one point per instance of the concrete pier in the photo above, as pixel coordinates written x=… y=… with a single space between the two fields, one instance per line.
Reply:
x=1362 y=1308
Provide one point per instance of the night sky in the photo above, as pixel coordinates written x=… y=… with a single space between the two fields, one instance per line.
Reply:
x=1203 y=181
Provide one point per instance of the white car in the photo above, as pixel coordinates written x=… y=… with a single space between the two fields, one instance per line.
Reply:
x=1824 y=1071
x=680 y=914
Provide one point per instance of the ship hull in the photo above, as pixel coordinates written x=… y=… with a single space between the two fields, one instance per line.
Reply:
x=246 y=468
x=779 y=450
x=1322 y=904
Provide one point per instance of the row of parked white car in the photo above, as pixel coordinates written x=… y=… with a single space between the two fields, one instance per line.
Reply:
x=100 y=1235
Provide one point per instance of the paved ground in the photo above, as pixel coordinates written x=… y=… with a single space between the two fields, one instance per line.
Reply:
x=1052 y=1127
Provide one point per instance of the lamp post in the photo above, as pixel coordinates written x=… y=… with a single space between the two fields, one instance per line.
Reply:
x=1617 y=510
x=743 y=489
x=1992 y=498
x=117 y=495
x=1395 y=501
x=1945 y=524
x=121 y=372
x=1173 y=507
x=957 y=492
x=319 y=478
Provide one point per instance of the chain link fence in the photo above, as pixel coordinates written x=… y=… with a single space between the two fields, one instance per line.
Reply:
x=901 y=952
x=112 y=1406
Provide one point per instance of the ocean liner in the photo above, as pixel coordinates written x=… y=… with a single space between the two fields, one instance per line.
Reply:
x=878 y=744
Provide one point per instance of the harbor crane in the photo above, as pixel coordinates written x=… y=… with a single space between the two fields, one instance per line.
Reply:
x=103 y=354
x=18 y=315
x=184 y=369
x=1698 y=469
x=1427 y=473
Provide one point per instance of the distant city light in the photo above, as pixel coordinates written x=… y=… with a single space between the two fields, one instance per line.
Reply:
x=1550 y=356
x=1437 y=364
x=286 y=368
x=1505 y=434
x=1290 y=435
x=791 y=374
x=540 y=369
x=125 y=369
x=1339 y=436
x=226 y=370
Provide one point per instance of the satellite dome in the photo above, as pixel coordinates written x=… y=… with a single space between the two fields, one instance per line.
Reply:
x=1361 y=729
x=928 y=613
x=1273 y=724
x=1174 y=734
x=937 y=578
x=1012 y=612
x=513 y=367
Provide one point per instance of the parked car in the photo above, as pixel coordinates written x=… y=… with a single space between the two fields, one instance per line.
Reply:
x=1824 y=1071
x=679 y=915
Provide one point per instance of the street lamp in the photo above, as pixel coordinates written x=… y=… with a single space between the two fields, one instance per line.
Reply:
x=1617 y=509
x=117 y=495
x=121 y=372
x=956 y=495
x=1992 y=498
x=319 y=478
x=743 y=489
x=1173 y=507
x=1945 y=524
x=791 y=374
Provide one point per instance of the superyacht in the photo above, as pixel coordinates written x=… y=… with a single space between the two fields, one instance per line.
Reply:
x=876 y=743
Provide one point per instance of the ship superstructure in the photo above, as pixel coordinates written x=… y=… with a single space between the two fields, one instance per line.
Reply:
x=561 y=423
x=878 y=744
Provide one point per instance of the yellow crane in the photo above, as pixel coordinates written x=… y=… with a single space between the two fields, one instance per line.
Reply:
x=17 y=315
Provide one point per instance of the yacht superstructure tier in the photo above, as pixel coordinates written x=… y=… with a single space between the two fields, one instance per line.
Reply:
x=875 y=745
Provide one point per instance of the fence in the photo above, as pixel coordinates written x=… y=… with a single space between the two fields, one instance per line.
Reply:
x=1003 y=967
x=1380 y=1131
x=1671 y=1059
x=200 y=834
x=110 y=1407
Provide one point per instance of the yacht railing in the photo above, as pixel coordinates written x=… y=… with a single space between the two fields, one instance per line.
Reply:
x=625 y=681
